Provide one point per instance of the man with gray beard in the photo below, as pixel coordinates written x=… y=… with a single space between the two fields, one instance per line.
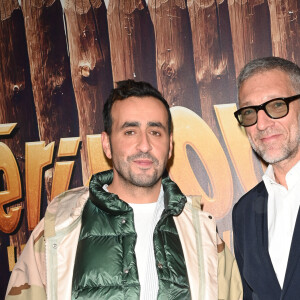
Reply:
x=266 y=224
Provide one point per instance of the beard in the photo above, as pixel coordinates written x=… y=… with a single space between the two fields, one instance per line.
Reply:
x=282 y=151
x=140 y=179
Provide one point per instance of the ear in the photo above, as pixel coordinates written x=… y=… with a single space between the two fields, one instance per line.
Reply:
x=171 y=145
x=106 y=144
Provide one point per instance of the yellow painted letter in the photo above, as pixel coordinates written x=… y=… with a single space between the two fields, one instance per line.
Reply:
x=9 y=221
x=190 y=129
x=37 y=157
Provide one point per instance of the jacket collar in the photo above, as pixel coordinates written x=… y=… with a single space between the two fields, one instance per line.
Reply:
x=294 y=255
x=261 y=216
x=174 y=200
x=261 y=209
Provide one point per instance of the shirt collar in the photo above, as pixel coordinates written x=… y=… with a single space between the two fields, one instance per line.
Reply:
x=269 y=174
x=292 y=176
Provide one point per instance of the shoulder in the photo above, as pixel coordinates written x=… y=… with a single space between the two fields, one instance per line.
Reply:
x=197 y=220
x=194 y=225
x=193 y=206
x=246 y=201
x=66 y=207
x=245 y=210
x=68 y=199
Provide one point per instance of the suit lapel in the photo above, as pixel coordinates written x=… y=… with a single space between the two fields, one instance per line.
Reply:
x=294 y=254
x=261 y=209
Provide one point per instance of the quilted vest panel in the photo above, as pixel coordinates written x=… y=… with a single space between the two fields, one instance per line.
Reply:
x=105 y=264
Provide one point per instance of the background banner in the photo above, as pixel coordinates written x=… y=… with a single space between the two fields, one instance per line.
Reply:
x=60 y=58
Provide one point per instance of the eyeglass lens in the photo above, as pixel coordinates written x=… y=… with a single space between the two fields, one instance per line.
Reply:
x=274 y=109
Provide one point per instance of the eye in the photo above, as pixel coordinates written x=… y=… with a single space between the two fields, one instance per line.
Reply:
x=247 y=112
x=278 y=104
x=155 y=133
x=129 y=132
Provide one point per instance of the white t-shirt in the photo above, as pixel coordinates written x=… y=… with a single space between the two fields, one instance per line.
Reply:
x=146 y=216
x=143 y=218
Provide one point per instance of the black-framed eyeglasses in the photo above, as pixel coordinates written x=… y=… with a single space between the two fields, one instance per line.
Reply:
x=276 y=108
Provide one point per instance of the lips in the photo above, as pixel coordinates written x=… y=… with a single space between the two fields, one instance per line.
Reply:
x=143 y=159
x=270 y=138
x=143 y=163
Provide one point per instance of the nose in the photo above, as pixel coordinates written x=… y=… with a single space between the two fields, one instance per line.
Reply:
x=263 y=120
x=144 y=144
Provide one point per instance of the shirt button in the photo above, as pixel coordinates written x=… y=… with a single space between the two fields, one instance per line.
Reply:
x=160 y=266
x=210 y=217
x=123 y=221
x=54 y=246
x=126 y=271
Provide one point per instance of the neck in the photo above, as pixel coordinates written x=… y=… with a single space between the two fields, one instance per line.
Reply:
x=135 y=194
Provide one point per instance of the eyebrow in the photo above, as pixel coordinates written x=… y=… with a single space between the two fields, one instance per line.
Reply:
x=138 y=124
x=130 y=124
x=248 y=103
x=156 y=124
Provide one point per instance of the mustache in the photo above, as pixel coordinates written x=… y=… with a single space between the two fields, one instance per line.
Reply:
x=267 y=132
x=142 y=155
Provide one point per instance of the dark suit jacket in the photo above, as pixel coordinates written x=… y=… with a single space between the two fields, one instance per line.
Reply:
x=250 y=233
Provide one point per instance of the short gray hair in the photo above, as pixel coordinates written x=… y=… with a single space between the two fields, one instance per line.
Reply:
x=260 y=65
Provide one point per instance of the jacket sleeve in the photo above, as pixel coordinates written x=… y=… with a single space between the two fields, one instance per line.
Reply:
x=229 y=279
x=28 y=278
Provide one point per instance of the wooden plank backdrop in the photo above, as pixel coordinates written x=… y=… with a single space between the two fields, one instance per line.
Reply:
x=60 y=58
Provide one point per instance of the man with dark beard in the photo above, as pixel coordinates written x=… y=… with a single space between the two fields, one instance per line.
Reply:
x=133 y=234
x=266 y=223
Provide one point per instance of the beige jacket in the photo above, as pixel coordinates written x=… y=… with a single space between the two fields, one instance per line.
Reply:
x=45 y=268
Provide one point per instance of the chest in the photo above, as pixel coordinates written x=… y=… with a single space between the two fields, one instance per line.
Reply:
x=105 y=262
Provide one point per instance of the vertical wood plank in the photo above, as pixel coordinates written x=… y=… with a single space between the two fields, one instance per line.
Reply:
x=250 y=28
x=50 y=70
x=213 y=56
x=51 y=77
x=174 y=56
x=88 y=42
x=285 y=29
x=131 y=39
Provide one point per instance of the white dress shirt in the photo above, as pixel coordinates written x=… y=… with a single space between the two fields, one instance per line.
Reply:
x=283 y=206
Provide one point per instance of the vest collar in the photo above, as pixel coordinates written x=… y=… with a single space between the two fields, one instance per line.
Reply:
x=111 y=203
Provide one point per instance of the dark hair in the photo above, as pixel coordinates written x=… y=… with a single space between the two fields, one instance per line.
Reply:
x=260 y=65
x=129 y=88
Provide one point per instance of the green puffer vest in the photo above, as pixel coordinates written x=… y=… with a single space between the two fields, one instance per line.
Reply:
x=105 y=265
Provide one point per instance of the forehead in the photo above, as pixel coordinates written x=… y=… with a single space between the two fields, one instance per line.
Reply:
x=265 y=86
x=141 y=109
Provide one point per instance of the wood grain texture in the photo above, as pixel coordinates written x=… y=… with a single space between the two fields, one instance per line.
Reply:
x=7 y=7
x=174 y=55
x=285 y=29
x=51 y=77
x=50 y=70
x=81 y=7
x=90 y=67
x=213 y=56
x=250 y=29
x=131 y=38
